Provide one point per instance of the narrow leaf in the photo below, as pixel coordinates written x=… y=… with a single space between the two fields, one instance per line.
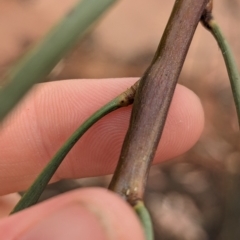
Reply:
x=41 y=60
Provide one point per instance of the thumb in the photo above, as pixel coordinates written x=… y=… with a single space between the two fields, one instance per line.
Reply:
x=83 y=214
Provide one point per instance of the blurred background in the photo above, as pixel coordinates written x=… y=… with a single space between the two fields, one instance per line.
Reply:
x=186 y=196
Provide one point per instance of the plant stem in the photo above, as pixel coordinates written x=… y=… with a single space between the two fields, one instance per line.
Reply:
x=230 y=229
x=145 y=219
x=39 y=62
x=232 y=69
x=153 y=99
x=34 y=192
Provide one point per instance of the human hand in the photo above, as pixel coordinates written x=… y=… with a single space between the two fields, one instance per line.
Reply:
x=40 y=125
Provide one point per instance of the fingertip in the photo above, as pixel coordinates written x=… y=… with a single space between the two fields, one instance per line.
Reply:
x=52 y=112
x=184 y=125
x=87 y=214
x=116 y=215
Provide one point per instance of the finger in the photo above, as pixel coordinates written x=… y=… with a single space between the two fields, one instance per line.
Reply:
x=7 y=203
x=83 y=214
x=52 y=111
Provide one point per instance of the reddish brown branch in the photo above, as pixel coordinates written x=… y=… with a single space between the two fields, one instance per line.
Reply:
x=153 y=98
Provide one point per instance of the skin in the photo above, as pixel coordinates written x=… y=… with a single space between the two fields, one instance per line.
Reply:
x=43 y=121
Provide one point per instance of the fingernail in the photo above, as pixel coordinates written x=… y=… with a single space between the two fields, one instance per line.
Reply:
x=72 y=222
